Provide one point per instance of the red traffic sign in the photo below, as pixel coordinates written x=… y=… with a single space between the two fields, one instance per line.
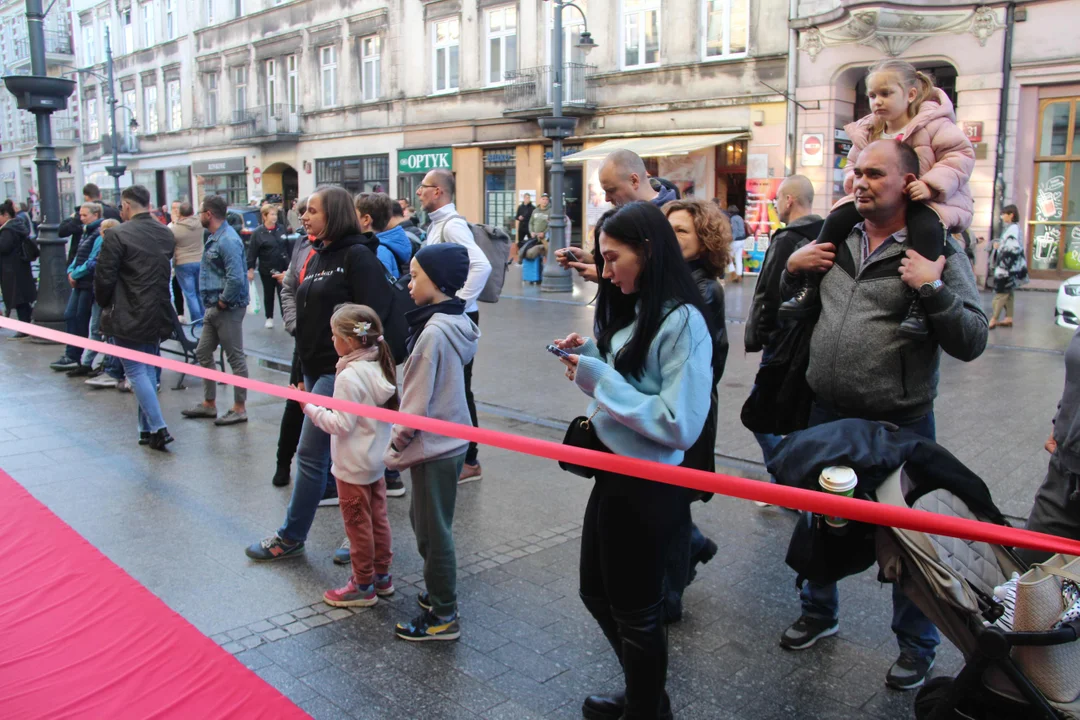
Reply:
x=256 y=175
x=812 y=145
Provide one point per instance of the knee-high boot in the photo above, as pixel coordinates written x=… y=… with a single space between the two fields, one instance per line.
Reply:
x=644 y=659
x=604 y=707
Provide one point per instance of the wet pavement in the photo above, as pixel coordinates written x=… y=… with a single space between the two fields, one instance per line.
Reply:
x=179 y=522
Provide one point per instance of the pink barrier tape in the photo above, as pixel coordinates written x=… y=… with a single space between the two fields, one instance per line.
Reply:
x=794 y=498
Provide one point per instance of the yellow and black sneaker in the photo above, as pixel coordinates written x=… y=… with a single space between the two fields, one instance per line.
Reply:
x=429 y=626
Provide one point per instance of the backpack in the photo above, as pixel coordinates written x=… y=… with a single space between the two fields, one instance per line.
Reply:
x=495 y=243
x=395 y=326
x=30 y=250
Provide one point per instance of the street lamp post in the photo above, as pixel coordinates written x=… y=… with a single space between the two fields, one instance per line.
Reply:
x=43 y=95
x=116 y=170
x=558 y=128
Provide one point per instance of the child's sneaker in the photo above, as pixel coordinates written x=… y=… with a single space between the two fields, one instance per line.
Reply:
x=424 y=601
x=429 y=626
x=352 y=595
x=384 y=585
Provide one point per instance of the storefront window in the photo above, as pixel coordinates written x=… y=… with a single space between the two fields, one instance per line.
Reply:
x=1055 y=230
x=500 y=178
x=361 y=173
x=231 y=187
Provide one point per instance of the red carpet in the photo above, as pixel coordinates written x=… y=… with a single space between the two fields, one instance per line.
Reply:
x=80 y=638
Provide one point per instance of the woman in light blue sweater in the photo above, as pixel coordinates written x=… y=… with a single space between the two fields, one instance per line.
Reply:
x=649 y=374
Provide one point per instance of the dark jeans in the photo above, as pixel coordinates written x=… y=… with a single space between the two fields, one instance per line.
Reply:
x=25 y=312
x=270 y=287
x=914 y=631
x=292 y=420
x=473 y=451
x=77 y=318
x=1056 y=510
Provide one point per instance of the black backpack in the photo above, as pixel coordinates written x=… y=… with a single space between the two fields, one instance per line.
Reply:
x=395 y=326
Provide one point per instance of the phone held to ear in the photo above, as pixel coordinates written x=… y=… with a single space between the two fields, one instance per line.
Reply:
x=557 y=351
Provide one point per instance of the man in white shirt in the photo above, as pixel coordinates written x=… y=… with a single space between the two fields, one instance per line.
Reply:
x=436 y=196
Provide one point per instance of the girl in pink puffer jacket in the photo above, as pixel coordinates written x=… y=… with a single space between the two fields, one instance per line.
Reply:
x=906 y=107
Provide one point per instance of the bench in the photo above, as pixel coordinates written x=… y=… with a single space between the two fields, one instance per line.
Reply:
x=184 y=335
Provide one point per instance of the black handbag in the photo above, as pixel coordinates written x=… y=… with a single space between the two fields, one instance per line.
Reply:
x=781 y=399
x=582 y=434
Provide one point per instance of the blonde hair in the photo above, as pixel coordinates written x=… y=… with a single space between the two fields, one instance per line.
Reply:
x=713 y=231
x=268 y=208
x=362 y=324
x=909 y=78
x=108 y=224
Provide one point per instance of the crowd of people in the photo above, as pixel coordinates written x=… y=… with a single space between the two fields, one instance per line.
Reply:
x=885 y=286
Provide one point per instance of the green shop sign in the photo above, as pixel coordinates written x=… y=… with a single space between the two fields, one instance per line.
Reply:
x=421 y=161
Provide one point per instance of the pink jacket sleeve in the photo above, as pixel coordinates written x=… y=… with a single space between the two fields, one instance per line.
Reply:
x=955 y=160
x=849 y=169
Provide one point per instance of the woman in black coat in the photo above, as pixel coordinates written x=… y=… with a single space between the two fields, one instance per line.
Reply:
x=16 y=279
x=268 y=251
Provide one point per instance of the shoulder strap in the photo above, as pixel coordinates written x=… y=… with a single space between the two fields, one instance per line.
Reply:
x=1061 y=573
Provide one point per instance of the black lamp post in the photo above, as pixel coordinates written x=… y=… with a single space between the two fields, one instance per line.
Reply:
x=43 y=95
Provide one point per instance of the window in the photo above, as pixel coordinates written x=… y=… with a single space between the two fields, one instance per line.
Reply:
x=238 y=8
x=446 y=37
x=370 y=67
x=170 y=19
x=88 y=45
x=129 y=103
x=93 y=132
x=367 y=173
x=501 y=44
x=172 y=99
x=211 y=99
x=724 y=28
x=328 y=71
x=129 y=31
x=149 y=94
x=1055 y=236
x=106 y=38
x=271 y=82
x=148 y=24
x=292 y=82
x=209 y=12
x=239 y=93
x=641 y=33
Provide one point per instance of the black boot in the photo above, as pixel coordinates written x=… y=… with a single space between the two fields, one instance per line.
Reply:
x=160 y=439
x=644 y=659
x=604 y=707
x=915 y=325
x=282 y=477
x=805 y=301
x=144 y=438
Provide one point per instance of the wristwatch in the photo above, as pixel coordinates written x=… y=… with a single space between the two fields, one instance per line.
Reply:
x=930 y=289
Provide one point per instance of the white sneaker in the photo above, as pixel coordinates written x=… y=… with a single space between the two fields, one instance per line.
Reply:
x=269 y=324
x=101 y=381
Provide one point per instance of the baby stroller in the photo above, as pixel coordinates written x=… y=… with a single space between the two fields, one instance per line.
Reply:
x=952 y=581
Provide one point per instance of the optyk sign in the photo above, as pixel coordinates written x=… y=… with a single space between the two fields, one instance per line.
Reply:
x=421 y=161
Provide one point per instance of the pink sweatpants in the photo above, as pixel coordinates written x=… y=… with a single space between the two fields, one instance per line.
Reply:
x=363 y=508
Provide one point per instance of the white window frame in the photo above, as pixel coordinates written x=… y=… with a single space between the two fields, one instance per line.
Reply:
x=150 y=112
x=372 y=61
x=500 y=35
x=453 y=24
x=104 y=25
x=149 y=36
x=127 y=24
x=88 y=34
x=170 y=19
x=209 y=12
x=647 y=6
x=328 y=67
x=270 y=66
x=212 y=97
x=292 y=82
x=131 y=102
x=93 y=130
x=174 y=101
x=726 y=54
x=238 y=8
x=239 y=77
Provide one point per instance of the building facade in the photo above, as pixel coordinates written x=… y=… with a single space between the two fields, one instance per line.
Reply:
x=18 y=129
x=1016 y=71
x=254 y=98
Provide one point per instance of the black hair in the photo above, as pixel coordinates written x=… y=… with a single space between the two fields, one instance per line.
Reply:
x=379 y=206
x=136 y=194
x=216 y=206
x=1013 y=210
x=664 y=285
x=909 y=159
x=337 y=205
x=7 y=208
x=91 y=191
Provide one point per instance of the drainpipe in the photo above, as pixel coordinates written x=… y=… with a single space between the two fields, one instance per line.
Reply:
x=1003 y=117
x=792 y=79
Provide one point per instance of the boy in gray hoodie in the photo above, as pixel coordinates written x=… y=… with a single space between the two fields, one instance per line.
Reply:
x=442 y=341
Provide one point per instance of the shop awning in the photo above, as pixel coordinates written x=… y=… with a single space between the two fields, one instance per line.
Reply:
x=655 y=146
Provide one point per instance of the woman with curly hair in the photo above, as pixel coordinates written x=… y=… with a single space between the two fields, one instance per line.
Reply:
x=704 y=235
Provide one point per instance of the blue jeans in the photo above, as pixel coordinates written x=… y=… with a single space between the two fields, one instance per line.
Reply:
x=768 y=445
x=77 y=318
x=914 y=631
x=89 y=356
x=188 y=277
x=143 y=379
x=312 y=469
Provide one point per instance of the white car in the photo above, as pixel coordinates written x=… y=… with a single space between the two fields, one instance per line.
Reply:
x=1067 y=310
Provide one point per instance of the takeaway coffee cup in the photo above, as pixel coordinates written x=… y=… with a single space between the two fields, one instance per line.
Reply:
x=838 y=480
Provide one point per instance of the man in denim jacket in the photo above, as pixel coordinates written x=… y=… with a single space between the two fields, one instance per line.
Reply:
x=223 y=289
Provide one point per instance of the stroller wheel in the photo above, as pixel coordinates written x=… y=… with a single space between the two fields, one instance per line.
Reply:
x=937 y=691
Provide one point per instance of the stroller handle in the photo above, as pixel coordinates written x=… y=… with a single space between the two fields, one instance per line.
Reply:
x=1067 y=633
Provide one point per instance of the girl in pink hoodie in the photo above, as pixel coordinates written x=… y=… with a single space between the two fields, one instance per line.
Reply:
x=906 y=107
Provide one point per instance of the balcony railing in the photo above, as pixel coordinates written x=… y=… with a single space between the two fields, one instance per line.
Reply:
x=267 y=121
x=64 y=130
x=530 y=88
x=57 y=42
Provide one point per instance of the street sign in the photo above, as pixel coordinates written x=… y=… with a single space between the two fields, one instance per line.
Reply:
x=421 y=161
x=256 y=175
x=813 y=150
x=974 y=131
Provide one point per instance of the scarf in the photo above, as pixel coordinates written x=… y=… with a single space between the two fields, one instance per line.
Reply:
x=362 y=353
x=419 y=317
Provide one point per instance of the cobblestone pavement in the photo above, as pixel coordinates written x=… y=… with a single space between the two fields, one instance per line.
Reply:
x=178 y=523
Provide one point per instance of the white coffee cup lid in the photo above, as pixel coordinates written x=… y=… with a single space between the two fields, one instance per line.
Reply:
x=838 y=479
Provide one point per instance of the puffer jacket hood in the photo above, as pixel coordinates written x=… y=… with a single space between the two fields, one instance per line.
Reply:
x=946 y=158
x=395 y=249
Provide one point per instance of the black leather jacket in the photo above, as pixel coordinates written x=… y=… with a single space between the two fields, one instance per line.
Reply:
x=131 y=280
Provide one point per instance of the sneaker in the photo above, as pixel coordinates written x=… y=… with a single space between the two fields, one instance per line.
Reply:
x=341 y=555
x=102 y=381
x=282 y=477
x=352 y=595
x=424 y=600
x=200 y=411
x=123 y=386
x=144 y=438
x=395 y=487
x=274 y=548
x=64 y=364
x=470 y=473
x=269 y=324
x=18 y=336
x=429 y=626
x=384 y=585
x=909 y=671
x=232 y=418
x=79 y=371
x=806 y=631
x=96 y=372
x=159 y=439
